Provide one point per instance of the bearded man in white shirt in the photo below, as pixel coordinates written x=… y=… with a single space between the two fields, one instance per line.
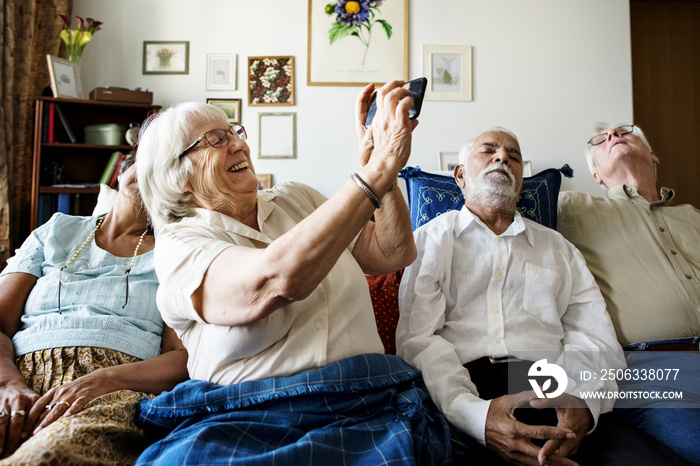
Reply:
x=489 y=290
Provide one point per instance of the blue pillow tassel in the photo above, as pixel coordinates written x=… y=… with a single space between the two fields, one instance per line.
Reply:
x=567 y=171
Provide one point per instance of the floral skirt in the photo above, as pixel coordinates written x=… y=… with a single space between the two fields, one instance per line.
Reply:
x=103 y=433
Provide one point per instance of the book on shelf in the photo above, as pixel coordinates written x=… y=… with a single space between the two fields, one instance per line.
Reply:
x=46 y=208
x=63 y=203
x=109 y=170
x=64 y=122
x=51 y=123
x=115 y=175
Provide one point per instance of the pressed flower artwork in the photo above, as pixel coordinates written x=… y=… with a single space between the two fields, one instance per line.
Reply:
x=356 y=18
x=357 y=41
x=270 y=81
x=162 y=57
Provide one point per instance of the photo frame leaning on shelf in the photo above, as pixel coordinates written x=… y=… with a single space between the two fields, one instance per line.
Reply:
x=447 y=161
x=264 y=180
x=232 y=107
x=65 y=78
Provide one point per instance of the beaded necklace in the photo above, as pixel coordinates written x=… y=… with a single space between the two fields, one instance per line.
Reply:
x=92 y=235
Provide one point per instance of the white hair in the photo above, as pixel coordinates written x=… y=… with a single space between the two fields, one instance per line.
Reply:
x=466 y=149
x=162 y=175
x=601 y=127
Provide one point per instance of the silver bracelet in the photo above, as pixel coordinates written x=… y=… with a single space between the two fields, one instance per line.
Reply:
x=367 y=190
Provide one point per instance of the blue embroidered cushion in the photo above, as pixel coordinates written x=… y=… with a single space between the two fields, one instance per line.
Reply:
x=431 y=194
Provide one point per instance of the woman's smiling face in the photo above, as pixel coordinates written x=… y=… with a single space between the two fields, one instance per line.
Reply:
x=221 y=174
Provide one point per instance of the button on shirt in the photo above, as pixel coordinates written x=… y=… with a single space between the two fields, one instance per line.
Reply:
x=336 y=321
x=644 y=256
x=471 y=293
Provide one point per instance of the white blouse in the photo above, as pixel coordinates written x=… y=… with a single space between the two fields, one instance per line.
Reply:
x=336 y=321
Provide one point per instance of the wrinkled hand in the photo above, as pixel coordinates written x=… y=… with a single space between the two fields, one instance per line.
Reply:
x=389 y=137
x=364 y=134
x=15 y=397
x=511 y=439
x=66 y=400
x=572 y=414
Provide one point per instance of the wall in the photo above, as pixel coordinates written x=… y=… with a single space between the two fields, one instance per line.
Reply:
x=546 y=69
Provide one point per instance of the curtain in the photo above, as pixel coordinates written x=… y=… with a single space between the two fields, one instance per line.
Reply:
x=30 y=30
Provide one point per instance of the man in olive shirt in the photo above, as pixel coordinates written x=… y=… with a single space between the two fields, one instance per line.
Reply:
x=645 y=256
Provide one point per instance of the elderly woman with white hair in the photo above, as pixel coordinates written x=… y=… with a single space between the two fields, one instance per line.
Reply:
x=267 y=291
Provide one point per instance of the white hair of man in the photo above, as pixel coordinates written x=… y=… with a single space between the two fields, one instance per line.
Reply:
x=602 y=127
x=162 y=174
x=494 y=192
x=466 y=151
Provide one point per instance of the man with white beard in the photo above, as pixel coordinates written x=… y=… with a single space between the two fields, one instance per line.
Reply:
x=488 y=294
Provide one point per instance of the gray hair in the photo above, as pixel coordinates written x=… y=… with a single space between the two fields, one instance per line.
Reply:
x=466 y=149
x=162 y=176
x=601 y=127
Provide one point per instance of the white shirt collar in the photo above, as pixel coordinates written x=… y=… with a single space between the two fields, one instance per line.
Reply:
x=467 y=217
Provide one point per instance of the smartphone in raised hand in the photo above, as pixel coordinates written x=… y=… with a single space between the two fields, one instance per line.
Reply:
x=416 y=89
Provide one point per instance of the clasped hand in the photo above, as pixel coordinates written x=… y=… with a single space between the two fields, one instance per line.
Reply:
x=512 y=439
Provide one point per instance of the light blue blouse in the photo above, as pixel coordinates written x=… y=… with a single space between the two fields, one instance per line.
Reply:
x=93 y=291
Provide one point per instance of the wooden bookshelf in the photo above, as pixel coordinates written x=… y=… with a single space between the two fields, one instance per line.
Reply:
x=72 y=170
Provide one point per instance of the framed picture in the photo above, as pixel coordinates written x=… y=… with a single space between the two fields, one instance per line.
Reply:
x=270 y=81
x=447 y=161
x=264 y=180
x=221 y=72
x=449 y=72
x=345 y=54
x=527 y=168
x=65 y=78
x=277 y=133
x=232 y=107
x=163 y=57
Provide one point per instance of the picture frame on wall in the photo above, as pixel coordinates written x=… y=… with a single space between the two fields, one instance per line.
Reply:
x=264 y=180
x=65 y=78
x=343 y=54
x=221 y=72
x=449 y=72
x=447 y=161
x=277 y=135
x=270 y=81
x=166 y=57
x=232 y=107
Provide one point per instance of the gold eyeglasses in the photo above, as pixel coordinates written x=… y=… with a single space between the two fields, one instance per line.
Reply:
x=217 y=138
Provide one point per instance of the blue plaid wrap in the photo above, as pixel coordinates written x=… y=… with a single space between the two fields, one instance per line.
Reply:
x=367 y=409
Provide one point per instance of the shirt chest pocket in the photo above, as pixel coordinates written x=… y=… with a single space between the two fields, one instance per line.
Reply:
x=540 y=294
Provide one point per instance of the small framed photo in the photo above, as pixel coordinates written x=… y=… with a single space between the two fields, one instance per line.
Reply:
x=264 y=180
x=65 y=78
x=447 y=161
x=449 y=72
x=277 y=133
x=270 y=81
x=527 y=168
x=221 y=72
x=166 y=57
x=232 y=107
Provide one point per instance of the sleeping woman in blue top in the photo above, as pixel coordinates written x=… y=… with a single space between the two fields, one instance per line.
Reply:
x=81 y=338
